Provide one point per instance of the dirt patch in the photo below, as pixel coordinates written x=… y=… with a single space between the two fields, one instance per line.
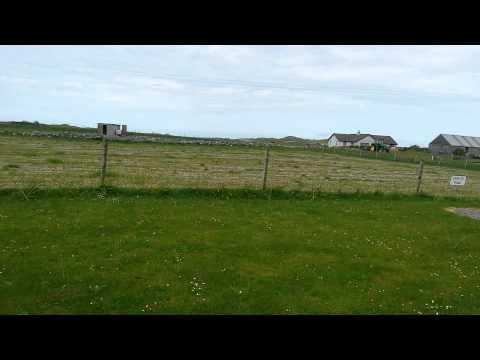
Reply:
x=469 y=212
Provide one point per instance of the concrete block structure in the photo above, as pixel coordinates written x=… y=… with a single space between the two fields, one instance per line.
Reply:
x=111 y=130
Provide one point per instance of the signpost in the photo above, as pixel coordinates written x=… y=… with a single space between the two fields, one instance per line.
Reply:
x=458 y=180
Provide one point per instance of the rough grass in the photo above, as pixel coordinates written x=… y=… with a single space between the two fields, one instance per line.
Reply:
x=10 y=166
x=189 y=251
x=203 y=166
x=54 y=161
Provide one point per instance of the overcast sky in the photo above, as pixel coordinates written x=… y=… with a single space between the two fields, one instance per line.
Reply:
x=412 y=93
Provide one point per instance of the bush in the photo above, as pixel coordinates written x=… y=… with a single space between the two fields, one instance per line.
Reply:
x=418 y=148
x=11 y=166
x=459 y=152
x=54 y=161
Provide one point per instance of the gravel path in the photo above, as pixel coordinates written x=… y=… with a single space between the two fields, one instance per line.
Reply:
x=472 y=213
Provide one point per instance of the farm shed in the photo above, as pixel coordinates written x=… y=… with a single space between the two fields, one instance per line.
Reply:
x=111 y=129
x=345 y=140
x=447 y=144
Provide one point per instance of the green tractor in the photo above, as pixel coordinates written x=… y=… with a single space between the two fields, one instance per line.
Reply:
x=379 y=148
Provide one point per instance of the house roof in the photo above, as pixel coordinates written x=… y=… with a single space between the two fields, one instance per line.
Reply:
x=349 y=137
x=107 y=124
x=459 y=140
x=388 y=140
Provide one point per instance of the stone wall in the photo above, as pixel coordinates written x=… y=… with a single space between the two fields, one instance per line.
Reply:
x=158 y=139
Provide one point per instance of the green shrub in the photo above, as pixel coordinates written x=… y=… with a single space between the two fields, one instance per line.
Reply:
x=54 y=161
x=459 y=152
x=11 y=166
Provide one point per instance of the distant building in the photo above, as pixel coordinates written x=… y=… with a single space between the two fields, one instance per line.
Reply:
x=347 y=140
x=111 y=130
x=447 y=144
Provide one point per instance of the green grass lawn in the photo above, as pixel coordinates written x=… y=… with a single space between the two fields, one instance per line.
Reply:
x=233 y=252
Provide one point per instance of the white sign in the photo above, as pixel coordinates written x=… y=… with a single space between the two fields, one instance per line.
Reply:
x=458 y=180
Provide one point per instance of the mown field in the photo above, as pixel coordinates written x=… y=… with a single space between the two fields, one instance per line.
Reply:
x=186 y=252
x=53 y=163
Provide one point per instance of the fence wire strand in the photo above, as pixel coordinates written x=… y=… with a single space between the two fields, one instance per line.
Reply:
x=77 y=163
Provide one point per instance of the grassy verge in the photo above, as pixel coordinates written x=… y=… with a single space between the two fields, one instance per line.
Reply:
x=223 y=194
x=129 y=251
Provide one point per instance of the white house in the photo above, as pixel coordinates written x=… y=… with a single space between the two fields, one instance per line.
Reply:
x=345 y=140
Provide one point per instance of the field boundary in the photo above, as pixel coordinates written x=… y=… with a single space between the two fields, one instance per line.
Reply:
x=223 y=194
x=64 y=164
x=351 y=152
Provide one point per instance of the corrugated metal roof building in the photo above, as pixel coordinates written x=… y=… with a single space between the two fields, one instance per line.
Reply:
x=447 y=144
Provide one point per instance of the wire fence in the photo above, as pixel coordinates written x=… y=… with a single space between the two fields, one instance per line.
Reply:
x=70 y=163
x=412 y=157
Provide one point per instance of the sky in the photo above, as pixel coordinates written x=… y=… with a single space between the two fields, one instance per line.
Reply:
x=412 y=93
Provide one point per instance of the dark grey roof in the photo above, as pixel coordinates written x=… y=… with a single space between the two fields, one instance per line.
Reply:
x=349 y=137
x=388 y=140
x=459 y=140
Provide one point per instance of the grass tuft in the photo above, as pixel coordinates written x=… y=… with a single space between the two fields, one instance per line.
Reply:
x=226 y=194
x=11 y=166
x=54 y=161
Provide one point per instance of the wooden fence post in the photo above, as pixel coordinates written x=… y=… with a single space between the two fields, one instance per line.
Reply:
x=265 y=169
x=105 y=158
x=419 y=175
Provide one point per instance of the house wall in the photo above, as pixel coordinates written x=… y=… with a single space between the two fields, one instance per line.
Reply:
x=440 y=149
x=368 y=139
x=441 y=146
x=111 y=129
x=334 y=142
x=474 y=152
